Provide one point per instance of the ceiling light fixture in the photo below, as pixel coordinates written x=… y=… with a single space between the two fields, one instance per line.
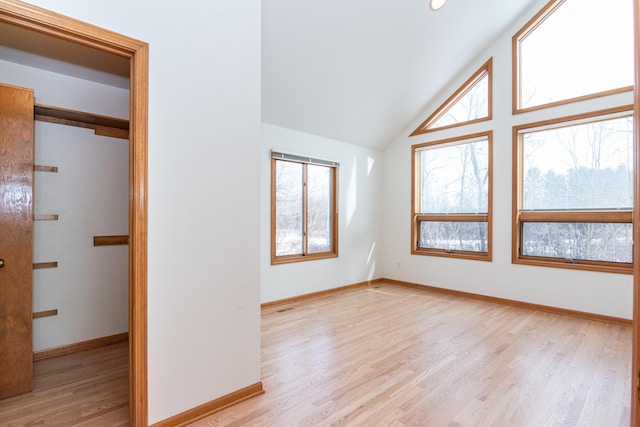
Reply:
x=437 y=4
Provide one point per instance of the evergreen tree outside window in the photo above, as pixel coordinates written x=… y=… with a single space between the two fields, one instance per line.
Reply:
x=575 y=191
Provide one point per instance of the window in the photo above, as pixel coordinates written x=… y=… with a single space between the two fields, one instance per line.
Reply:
x=451 y=204
x=573 y=50
x=469 y=104
x=574 y=181
x=304 y=213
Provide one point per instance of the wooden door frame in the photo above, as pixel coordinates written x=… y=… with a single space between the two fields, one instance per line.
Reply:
x=635 y=358
x=44 y=21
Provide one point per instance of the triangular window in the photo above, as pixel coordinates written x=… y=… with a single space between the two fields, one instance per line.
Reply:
x=469 y=104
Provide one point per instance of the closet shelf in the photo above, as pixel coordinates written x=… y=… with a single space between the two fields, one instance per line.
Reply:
x=102 y=125
x=46 y=313
x=45 y=217
x=110 y=240
x=41 y=168
x=38 y=265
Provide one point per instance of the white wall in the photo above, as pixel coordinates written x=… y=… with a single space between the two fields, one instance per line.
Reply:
x=90 y=194
x=206 y=195
x=67 y=92
x=204 y=145
x=359 y=181
x=594 y=292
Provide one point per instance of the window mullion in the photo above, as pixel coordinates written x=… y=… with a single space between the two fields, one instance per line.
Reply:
x=305 y=209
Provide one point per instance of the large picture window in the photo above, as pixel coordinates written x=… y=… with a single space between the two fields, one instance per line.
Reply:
x=574 y=180
x=451 y=203
x=573 y=50
x=304 y=213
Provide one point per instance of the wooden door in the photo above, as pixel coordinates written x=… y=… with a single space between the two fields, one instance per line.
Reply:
x=16 y=240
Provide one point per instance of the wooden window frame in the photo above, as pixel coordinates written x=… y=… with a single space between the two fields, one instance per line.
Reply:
x=305 y=256
x=520 y=217
x=418 y=217
x=522 y=34
x=485 y=70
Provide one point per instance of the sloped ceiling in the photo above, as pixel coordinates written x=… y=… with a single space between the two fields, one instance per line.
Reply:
x=360 y=71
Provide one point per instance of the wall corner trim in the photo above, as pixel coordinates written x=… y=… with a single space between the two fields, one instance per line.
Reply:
x=209 y=408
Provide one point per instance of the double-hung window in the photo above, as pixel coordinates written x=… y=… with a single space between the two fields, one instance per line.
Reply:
x=304 y=209
x=451 y=203
x=574 y=199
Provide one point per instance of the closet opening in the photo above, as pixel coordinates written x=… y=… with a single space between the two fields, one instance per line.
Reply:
x=77 y=47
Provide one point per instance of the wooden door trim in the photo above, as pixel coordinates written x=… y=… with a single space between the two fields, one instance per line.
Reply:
x=47 y=22
x=635 y=358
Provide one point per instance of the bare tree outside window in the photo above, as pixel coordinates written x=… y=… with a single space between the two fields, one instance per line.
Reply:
x=473 y=105
x=289 y=209
x=304 y=214
x=320 y=207
x=453 y=198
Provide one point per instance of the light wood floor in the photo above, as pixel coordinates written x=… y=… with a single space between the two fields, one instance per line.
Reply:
x=383 y=356
x=88 y=388
x=396 y=356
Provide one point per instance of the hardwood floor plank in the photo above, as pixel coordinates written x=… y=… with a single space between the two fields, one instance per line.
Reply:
x=87 y=388
x=387 y=355
x=384 y=355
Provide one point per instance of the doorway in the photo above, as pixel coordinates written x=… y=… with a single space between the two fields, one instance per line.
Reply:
x=46 y=22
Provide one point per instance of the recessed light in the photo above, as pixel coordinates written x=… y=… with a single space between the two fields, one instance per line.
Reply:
x=437 y=4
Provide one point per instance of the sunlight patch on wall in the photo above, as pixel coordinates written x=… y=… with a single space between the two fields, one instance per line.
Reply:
x=371 y=252
x=372 y=271
x=352 y=193
x=371 y=260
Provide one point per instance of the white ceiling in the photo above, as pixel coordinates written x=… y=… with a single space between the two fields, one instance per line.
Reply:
x=360 y=71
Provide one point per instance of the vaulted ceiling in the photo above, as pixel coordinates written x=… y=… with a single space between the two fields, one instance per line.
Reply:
x=360 y=71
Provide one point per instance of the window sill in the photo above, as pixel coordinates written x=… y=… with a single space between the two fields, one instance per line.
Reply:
x=602 y=267
x=288 y=259
x=475 y=256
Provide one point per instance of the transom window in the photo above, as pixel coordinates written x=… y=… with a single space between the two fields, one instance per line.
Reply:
x=575 y=191
x=451 y=203
x=304 y=213
x=573 y=50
